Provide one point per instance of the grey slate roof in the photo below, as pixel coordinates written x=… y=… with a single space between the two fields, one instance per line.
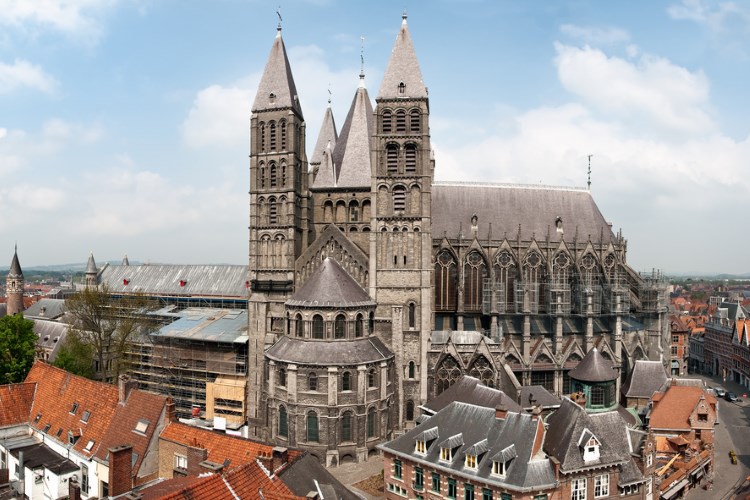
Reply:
x=208 y=325
x=534 y=208
x=277 y=79
x=51 y=336
x=537 y=395
x=645 y=379
x=594 y=368
x=567 y=425
x=91 y=265
x=330 y=286
x=402 y=67
x=471 y=390
x=351 y=157
x=734 y=310
x=513 y=435
x=15 y=267
x=164 y=279
x=339 y=352
x=301 y=476
x=45 y=309
x=327 y=136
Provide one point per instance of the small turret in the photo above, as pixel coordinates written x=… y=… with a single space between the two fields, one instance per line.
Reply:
x=92 y=272
x=14 y=286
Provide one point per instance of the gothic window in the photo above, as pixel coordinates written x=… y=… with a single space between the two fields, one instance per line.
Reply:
x=353 y=211
x=262 y=176
x=528 y=292
x=447 y=373
x=283 y=424
x=346 y=426
x=474 y=274
x=505 y=278
x=299 y=326
x=588 y=268
x=272 y=134
x=371 y=379
x=391 y=158
x=545 y=378
x=346 y=381
x=262 y=136
x=371 y=422
x=339 y=327
x=282 y=126
x=399 y=198
x=312 y=382
x=412 y=369
x=359 y=326
x=445 y=281
x=273 y=175
x=283 y=174
x=312 y=427
x=400 y=120
x=412 y=313
x=414 y=120
x=387 y=121
x=410 y=410
x=318 y=327
x=273 y=211
x=482 y=369
x=410 y=158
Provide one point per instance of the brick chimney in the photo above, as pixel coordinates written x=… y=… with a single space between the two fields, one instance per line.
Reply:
x=125 y=384
x=120 y=469
x=171 y=412
x=74 y=489
x=195 y=455
x=280 y=457
x=266 y=460
x=501 y=411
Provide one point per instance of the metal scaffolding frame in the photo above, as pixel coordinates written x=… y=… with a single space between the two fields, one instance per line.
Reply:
x=588 y=298
x=527 y=297
x=617 y=295
x=653 y=291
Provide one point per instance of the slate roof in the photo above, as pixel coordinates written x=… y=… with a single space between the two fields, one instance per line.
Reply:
x=51 y=336
x=594 y=368
x=339 y=352
x=164 y=279
x=327 y=136
x=565 y=428
x=545 y=324
x=645 y=379
x=519 y=430
x=673 y=408
x=300 y=477
x=471 y=390
x=277 y=79
x=351 y=157
x=403 y=66
x=534 y=208
x=91 y=265
x=330 y=286
x=537 y=395
x=208 y=325
x=15 y=403
x=15 y=266
x=45 y=309
x=735 y=311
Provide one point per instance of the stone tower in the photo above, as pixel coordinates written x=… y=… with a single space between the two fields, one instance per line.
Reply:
x=279 y=207
x=14 y=287
x=92 y=273
x=401 y=240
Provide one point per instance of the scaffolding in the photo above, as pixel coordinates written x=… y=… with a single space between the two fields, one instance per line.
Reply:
x=493 y=296
x=617 y=295
x=527 y=297
x=558 y=297
x=652 y=291
x=588 y=298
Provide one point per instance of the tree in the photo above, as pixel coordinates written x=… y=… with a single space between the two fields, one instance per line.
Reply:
x=17 y=348
x=107 y=324
x=75 y=356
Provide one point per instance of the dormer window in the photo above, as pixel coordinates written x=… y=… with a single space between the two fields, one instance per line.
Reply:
x=501 y=460
x=471 y=461
x=89 y=446
x=401 y=87
x=449 y=445
x=589 y=445
x=423 y=440
x=74 y=408
x=446 y=454
x=420 y=447
x=499 y=468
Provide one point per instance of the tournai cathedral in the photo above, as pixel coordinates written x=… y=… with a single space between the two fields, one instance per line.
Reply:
x=373 y=287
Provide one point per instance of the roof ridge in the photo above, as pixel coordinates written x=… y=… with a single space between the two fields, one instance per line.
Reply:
x=510 y=185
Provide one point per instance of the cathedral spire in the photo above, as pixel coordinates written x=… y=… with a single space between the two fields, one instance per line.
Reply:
x=277 y=89
x=15 y=266
x=352 y=154
x=402 y=76
x=327 y=139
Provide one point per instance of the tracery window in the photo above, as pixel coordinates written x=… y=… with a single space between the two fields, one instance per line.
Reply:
x=529 y=290
x=482 y=369
x=447 y=373
x=474 y=275
x=446 y=270
x=505 y=279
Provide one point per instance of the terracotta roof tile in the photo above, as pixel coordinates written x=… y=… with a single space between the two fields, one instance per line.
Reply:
x=675 y=406
x=15 y=403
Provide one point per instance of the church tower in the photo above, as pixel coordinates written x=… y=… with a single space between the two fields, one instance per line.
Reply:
x=14 y=287
x=91 y=276
x=401 y=237
x=279 y=207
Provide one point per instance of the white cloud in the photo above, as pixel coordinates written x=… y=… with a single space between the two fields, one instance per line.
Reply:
x=80 y=18
x=713 y=14
x=29 y=197
x=220 y=116
x=21 y=74
x=56 y=129
x=653 y=89
x=596 y=35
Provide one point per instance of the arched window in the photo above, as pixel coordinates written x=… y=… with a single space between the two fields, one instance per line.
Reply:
x=283 y=174
x=399 y=198
x=346 y=381
x=346 y=426
x=318 y=327
x=371 y=323
x=505 y=279
x=282 y=126
x=353 y=211
x=412 y=369
x=283 y=424
x=371 y=422
x=447 y=373
x=371 y=381
x=412 y=315
x=312 y=382
x=273 y=211
x=410 y=410
x=282 y=377
x=359 y=326
x=482 y=369
x=387 y=121
x=339 y=327
x=446 y=271
x=474 y=275
x=272 y=133
x=410 y=158
x=312 y=427
x=273 y=175
x=391 y=158
x=262 y=176
x=400 y=120
x=299 y=326
x=262 y=136
x=414 y=124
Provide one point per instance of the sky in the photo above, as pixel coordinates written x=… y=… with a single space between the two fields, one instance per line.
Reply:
x=124 y=124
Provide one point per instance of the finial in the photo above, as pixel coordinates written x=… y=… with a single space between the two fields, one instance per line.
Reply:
x=403 y=17
x=329 y=94
x=362 y=57
x=589 y=181
x=278 y=13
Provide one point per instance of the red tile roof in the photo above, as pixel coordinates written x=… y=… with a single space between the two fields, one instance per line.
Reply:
x=15 y=403
x=674 y=407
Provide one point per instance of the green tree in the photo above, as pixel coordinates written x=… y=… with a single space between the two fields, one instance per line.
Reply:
x=75 y=356
x=17 y=348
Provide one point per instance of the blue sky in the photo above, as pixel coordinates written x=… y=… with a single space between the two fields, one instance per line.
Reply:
x=124 y=123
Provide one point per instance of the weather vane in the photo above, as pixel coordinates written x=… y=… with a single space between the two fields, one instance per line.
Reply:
x=362 y=54
x=278 y=13
x=589 y=181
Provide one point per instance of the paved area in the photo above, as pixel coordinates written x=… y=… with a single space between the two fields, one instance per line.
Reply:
x=350 y=473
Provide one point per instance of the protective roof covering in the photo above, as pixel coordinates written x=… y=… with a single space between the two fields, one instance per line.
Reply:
x=594 y=368
x=645 y=379
x=673 y=409
x=507 y=206
x=472 y=391
x=546 y=324
x=277 y=80
x=302 y=476
x=461 y=337
x=208 y=325
x=338 y=352
x=40 y=455
x=177 y=280
x=15 y=266
x=330 y=286
x=403 y=67
x=517 y=431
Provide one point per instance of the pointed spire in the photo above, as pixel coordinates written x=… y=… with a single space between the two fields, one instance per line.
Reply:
x=15 y=266
x=91 y=264
x=125 y=261
x=277 y=89
x=327 y=136
x=352 y=154
x=403 y=77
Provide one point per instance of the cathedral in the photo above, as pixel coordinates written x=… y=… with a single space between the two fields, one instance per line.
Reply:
x=373 y=287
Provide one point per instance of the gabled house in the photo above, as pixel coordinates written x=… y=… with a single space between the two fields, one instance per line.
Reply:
x=646 y=378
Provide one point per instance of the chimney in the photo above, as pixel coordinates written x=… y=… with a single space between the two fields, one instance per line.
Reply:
x=195 y=455
x=556 y=465
x=120 y=469
x=74 y=489
x=501 y=411
x=125 y=384
x=280 y=457
x=266 y=460
x=210 y=466
x=171 y=411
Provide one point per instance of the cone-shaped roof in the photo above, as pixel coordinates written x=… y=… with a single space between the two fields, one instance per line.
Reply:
x=15 y=266
x=352 y=154
x=327 y=136
x=403 y=67
x=91 y=265
x=277 y=89
x=125 y=261
x=326 y=176
x=330 y=286
x=593 y=368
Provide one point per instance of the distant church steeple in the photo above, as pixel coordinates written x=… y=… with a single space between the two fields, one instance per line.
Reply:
x=14 y=286
x=91 y=271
